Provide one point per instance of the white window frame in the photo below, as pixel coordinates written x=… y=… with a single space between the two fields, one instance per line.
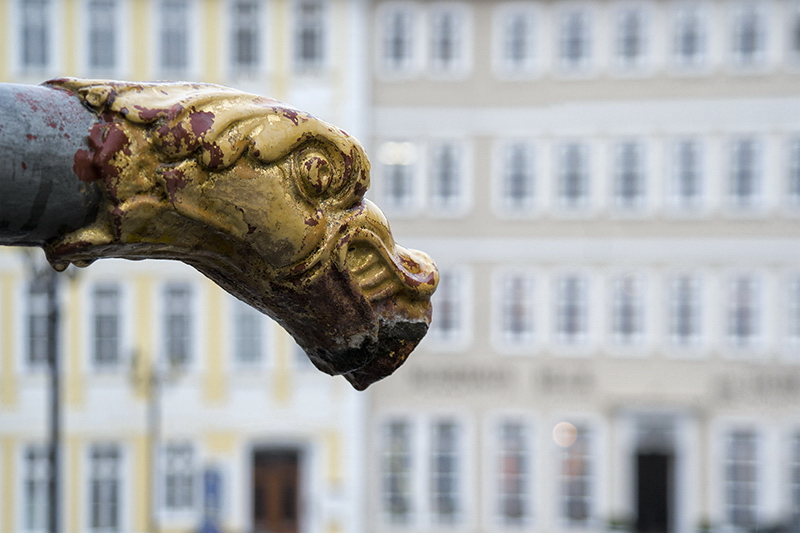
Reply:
x=319 y=62
x=36 y=317
x=458 y=153
x=582 y=175
x=254 y=21
x=698 y=16
x=744 y=296
x=515 y=290
x=404 y=157
x=630 y=194
x=523 y=476
x=680 y=148
x=33 y=487
x=590 y=473
x=628 y=309
x=620 y=36
x=509 y=18
x=508 y=154
x=736 y=184
x=565 y=24
x=192 y=325
x=794 y=477
x=733 y=467
x=792 y=311
x=119 y=360
x=162 y=28
x=398 y=466
x=678 y=306
x=385 y=21
x=52 y=49
x=179 y=494
x=118 y=34
x=793 y=171
x=460 y=62
x=117 y=478
x=455 y=283
x=577 y=309
x=454 y=471
x=742 y=14
x=793 y=36
x=240 y=314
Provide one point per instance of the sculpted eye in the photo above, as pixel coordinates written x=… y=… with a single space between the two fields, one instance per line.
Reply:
x=317 y=172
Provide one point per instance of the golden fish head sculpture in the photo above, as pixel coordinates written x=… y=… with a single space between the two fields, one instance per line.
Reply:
x=265 y=200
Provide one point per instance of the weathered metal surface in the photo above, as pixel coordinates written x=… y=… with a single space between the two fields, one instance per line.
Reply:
x=265 y=200
x=40 y=196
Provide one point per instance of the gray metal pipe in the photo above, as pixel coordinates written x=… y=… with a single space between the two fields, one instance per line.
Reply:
x=41 y=197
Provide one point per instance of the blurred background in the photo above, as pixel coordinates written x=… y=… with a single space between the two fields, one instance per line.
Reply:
x=612 y=192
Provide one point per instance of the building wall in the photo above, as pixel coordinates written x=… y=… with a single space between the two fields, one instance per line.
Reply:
x=223 y=411
x=513 y=356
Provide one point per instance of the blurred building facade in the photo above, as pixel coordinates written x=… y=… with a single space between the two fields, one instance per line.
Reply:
x=611 y=191
x=237 y=417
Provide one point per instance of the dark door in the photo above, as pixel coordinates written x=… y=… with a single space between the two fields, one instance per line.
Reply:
x=654 y=486
x=276 y=483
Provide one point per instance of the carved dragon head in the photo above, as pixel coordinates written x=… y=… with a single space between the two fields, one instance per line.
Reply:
x=265 y=200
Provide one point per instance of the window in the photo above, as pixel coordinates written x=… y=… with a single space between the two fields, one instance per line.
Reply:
x=516 y=304
x=627 y=310
x=577 y=471
x=245 y=35
x=174 y=36
x=398 y=162
x=743 y=311
x=106 y=326
x=518 y=186
x=447 y=177
x=629 y=183
x=745 y=172
x=794 y=35
x=35 y=494
x=310 y=34
x=741 y=479
x=517 y=41
x=513 y=474
x=690 y=36
x=397 y=489
x=573 y=183
x=448 y=40
x=748 y=35
x=685 y=317
x=793 y=311
x=178 y=324
x=398 y=39
x=571 y=309
x=248 y=334
x=36 y=38
x=105 y=488
x=687 y=177
x=794 y=171
x=102 y=35
x=38 y=328
x=450 y=307
x=178 y=477
x=631 y=37
x=445 y=475
x=794 y=480
x=575 y=45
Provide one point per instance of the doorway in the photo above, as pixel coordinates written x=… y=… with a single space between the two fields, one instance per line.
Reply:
x=276 y=491
x=654 y=492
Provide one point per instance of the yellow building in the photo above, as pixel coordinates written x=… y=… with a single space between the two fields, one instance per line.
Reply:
x=174 y=394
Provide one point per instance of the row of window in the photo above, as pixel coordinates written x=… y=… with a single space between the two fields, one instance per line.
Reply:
x=682 y=308
x=107 y=330
x=440 y=36
x=425 y=472
x=105 y=485
x=104 y=39
x=436 y=178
